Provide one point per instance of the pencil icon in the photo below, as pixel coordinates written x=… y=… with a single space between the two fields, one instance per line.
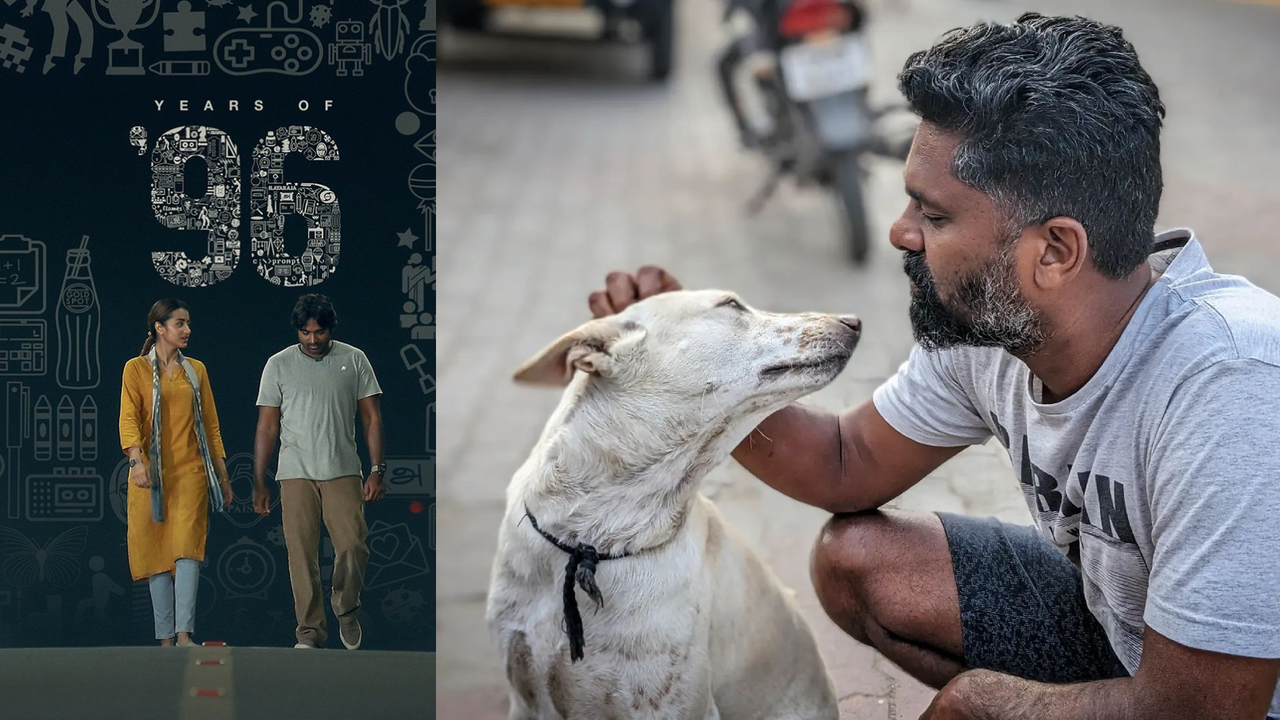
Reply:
x=180 y=67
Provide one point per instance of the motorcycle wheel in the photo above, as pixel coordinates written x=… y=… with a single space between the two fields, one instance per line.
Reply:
x=846 y=172
x=660 y=32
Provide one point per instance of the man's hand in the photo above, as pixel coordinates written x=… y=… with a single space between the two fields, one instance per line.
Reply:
x=623 y=289
x=1200 y=684
x=261 y=499
x=373 y=489
x=952 y=701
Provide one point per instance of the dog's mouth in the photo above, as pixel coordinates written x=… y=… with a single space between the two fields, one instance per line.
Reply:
x=827 y=363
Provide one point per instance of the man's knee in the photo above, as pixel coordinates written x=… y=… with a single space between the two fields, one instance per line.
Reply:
x=843 y=567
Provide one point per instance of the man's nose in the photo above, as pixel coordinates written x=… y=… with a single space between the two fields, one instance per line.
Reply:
x=905 y=235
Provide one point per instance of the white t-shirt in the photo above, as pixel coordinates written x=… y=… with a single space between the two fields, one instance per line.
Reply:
x=1160 y=478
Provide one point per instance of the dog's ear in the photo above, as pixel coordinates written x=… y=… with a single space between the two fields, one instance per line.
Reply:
x=590 y=348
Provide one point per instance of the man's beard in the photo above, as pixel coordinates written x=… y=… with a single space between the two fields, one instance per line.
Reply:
x=988 y=309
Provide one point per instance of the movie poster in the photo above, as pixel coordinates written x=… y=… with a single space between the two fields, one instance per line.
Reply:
x=234 y=154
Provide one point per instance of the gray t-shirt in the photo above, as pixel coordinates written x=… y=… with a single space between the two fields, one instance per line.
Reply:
x=318 y=401
x=1160 y=477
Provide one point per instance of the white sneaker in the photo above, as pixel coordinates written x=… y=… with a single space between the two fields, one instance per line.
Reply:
x=305 y=646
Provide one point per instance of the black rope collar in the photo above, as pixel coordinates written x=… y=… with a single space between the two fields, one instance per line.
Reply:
x=583 y=559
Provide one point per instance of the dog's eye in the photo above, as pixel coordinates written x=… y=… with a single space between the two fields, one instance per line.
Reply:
x=730 y=302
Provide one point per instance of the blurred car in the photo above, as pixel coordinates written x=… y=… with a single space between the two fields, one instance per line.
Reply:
x=651 y=22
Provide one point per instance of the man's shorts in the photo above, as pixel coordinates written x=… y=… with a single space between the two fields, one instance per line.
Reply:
x=1022 y=607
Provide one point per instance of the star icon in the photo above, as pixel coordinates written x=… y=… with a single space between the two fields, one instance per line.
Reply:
x=407 y=238
x=247 y=14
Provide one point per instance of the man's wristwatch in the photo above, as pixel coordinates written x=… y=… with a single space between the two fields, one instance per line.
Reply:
x=379 y=468
x=134 y=461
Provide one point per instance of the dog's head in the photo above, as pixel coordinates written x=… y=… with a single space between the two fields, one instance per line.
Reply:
x=694 y=356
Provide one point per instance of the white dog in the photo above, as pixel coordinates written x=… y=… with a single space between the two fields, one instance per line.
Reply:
x=678 y=618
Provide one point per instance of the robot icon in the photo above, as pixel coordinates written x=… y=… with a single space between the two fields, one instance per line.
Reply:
x=349 y=51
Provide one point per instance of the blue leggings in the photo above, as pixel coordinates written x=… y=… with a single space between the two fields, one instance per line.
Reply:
x=165 y=597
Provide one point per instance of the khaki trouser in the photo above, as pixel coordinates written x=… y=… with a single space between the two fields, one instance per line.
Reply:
x=341 y=503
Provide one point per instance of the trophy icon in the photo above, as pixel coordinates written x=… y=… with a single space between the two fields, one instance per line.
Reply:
x=124 y=56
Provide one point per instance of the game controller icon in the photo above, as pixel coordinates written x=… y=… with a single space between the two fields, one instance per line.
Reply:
x=284 y=51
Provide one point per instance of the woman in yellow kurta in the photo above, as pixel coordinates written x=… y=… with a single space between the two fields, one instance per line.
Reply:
x=176 y=468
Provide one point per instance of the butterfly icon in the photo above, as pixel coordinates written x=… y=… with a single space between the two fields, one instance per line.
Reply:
x=56 y=563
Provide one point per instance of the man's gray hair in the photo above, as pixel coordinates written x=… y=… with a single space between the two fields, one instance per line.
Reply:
x=1056 y=118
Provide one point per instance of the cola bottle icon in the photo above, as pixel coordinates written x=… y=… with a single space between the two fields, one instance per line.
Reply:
x=78 y=319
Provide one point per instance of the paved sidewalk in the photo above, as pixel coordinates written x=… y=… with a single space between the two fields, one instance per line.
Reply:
x=559 y=164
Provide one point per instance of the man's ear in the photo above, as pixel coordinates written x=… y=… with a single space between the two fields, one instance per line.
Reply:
x=591 y=348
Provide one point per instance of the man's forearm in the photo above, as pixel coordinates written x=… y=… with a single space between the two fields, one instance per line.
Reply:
x=264 y=446
x=988 y=695
x=797 y=452
x=373 y=438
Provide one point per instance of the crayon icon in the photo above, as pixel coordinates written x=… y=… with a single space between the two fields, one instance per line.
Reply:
x=66 y=420
x=88 y=429
x=180 y=67
x=43 y=435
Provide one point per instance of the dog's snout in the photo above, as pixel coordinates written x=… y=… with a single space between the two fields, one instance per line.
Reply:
x=850 y=321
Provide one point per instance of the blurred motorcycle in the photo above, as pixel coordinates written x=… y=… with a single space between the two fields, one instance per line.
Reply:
x=813 y=83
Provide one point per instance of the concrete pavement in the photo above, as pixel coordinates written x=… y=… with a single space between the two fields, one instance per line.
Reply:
x=559 y=163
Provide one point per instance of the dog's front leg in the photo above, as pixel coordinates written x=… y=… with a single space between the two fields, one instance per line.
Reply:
x=518 y=709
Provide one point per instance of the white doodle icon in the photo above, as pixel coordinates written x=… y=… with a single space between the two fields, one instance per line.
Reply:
x=349 y=51
x=15 y=48
x=180 y=29
x=420 y=82
x=270 y=49
x=22 y=275
x=66 y=495
x=389 y=27
x=78 y=319
x=17 y=428
x=103 y=587
x=42 y=429
x=413 y=359
x=59 y=12
x=411 y=477
x=124 y=56
x=395 y=555
x=240 y=471
x=401 y=605
x=55 y=563
x=246 y=569
x=23 y=346
x=414 y=279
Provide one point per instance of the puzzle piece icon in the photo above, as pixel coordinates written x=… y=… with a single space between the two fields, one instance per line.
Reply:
x=180 y=29
x=15 y=50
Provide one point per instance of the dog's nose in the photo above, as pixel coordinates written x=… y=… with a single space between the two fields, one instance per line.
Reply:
x=850 y=321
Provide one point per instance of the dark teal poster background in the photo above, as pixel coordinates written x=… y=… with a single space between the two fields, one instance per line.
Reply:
x=235 y=154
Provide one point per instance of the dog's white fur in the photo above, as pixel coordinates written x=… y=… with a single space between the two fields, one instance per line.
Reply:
x=693 y=625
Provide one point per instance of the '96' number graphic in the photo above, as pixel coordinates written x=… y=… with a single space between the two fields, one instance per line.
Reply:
x=271 y=200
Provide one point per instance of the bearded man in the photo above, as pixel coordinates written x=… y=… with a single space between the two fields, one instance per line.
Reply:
x=1134 y=388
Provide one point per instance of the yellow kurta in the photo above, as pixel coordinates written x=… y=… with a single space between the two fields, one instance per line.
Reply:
x=155 y=547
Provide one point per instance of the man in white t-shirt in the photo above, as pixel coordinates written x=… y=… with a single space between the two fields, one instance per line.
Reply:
x=1134 y=388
